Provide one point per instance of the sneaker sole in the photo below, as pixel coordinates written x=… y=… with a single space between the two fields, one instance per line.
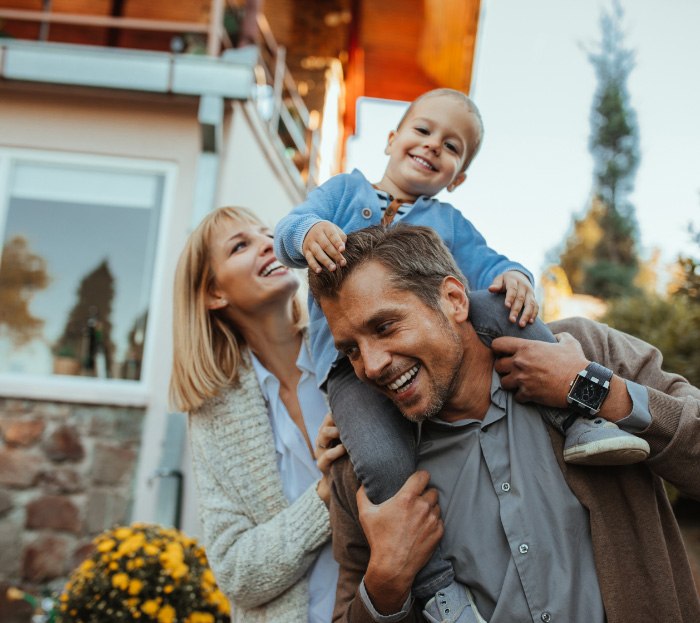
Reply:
x=608 y=452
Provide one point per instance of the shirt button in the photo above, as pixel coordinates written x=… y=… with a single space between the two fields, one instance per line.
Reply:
x=505 y=487
x=366 y=212
x=524 y=548
x=546 y=617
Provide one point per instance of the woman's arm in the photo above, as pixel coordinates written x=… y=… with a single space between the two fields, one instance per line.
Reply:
x=254 y=559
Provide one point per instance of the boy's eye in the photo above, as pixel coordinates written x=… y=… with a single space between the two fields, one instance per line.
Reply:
x=422 y=130
x=451 y=147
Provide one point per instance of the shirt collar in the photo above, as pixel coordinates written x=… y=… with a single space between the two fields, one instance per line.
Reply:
x=268 y=381
x=499 y=400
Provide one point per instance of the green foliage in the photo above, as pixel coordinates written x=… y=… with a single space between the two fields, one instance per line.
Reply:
x=605 y=264
x=671 y=324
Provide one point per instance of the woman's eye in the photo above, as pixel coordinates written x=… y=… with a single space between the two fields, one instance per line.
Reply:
x=238 y=246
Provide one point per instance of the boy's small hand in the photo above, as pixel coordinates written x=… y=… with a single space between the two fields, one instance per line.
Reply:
x=519 y=296
x=323 y=246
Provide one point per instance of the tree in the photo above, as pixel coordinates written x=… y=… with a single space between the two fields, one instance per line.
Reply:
x=606 y=266
x=22 y=274
x=672 y=324
x=88 y=326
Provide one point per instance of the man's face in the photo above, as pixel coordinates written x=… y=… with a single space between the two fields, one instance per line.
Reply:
x=395 y=342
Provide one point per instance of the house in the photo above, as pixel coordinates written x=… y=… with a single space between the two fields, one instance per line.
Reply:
x=121 y=124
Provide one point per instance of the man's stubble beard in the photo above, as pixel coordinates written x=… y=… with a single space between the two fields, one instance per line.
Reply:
x=441 y=392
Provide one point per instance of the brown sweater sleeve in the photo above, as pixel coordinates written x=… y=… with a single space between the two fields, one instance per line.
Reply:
x=674 y=404
x=350 y=547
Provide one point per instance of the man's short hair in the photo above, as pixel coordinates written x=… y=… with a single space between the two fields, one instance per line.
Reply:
x=415 y=256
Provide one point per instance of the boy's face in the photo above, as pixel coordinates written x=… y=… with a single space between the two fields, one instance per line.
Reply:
x=428 y=151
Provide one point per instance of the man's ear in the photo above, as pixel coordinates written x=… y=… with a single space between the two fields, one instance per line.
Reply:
x=457 y=181
x=215 y=300
x=389 y=141
x=455 y=298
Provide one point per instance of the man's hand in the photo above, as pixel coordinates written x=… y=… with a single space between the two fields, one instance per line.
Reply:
x=323 y=246
x=402 y=534
x=539 y=372
x=519 y=296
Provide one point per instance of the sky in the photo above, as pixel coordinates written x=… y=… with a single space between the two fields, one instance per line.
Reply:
x=534 y=87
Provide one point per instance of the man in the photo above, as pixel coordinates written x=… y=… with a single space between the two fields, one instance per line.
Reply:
x=535 y=539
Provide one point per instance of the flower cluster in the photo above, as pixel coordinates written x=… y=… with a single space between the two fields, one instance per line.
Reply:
x=144 y=573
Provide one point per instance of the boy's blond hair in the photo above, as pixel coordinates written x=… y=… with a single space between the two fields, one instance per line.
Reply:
x=207 y=348
x=466 y=100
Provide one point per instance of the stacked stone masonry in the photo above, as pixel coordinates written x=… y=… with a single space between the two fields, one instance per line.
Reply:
x=66 y=474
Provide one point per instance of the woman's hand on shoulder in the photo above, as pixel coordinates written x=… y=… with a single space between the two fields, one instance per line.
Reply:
x=326 y=450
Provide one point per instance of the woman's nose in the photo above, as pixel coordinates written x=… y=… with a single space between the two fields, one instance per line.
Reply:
x=266 y=245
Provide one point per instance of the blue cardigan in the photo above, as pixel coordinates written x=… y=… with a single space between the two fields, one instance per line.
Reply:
x=351 y=202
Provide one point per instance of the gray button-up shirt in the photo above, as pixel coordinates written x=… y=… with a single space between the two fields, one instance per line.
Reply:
x=514 y=531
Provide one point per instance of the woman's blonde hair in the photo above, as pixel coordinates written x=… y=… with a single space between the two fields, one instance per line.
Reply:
x=207 y=348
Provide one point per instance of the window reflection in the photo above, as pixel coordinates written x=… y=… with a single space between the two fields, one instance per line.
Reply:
x=77 y=262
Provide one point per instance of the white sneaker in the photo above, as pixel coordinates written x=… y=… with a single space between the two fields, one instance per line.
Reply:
x=600 y=442
x=453 y=604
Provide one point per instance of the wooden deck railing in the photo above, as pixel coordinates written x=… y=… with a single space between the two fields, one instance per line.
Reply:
x=292 y=126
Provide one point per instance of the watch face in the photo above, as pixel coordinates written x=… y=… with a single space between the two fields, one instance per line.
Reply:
x=587 y=393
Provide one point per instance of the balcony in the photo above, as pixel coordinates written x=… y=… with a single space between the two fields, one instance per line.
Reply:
x=167 y=47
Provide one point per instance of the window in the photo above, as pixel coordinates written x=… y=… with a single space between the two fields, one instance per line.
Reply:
x=79 y=245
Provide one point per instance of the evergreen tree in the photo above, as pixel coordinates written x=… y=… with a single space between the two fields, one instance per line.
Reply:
x=606 y=267
x=89 y=322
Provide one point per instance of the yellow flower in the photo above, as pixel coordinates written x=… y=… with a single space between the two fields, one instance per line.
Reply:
x=218 y=599
x=106 y=545
x=168 y=588
x=208 y=579
x=135 y=586
x=132 y=544
x=151 y=550
x=123 y=533
x=150 y=607
x=166 y=614
x=120 y=581
x=200 y=617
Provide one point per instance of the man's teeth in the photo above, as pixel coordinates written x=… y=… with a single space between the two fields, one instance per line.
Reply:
x=273 y=266
x=403 y=379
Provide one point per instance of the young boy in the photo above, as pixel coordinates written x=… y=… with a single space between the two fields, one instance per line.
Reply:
x=430 y=150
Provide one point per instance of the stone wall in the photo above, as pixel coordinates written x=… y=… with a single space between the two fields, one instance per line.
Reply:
x=66 y=474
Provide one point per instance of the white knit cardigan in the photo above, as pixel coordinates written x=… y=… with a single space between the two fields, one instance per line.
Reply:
x=259 y=546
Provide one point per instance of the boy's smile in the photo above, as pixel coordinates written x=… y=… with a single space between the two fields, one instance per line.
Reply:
x=429 y=150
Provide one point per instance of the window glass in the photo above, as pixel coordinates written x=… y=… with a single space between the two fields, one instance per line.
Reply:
x=78 y=246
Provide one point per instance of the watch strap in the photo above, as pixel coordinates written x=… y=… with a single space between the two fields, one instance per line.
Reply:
x=600 y=375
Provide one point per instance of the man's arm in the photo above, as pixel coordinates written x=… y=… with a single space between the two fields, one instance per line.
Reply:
x=542 y=373
x=401 y=535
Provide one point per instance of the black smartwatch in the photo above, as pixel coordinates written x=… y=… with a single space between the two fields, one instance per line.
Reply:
x=589 y=389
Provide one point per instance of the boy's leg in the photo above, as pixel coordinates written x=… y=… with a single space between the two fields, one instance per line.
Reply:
x=381 y=445
x=589 y=441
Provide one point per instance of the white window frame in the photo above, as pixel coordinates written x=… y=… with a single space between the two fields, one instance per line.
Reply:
x=118 y=392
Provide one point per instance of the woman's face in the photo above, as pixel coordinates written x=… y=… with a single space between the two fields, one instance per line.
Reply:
x=247 y=275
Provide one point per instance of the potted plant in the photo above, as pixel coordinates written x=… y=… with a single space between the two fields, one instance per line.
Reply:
x=147 y=573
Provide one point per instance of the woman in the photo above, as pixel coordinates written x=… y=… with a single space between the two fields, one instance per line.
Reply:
x=242 y=371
